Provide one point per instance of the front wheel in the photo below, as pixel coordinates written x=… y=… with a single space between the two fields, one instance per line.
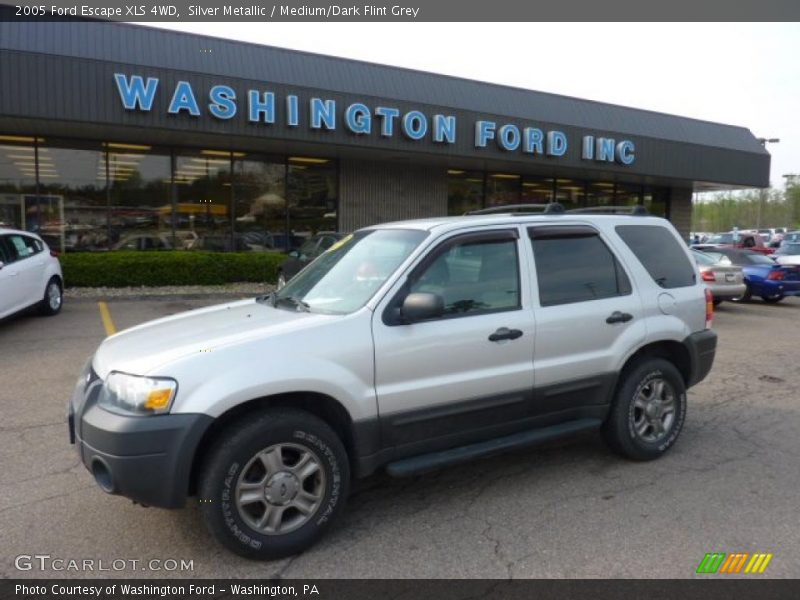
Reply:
x=773 y=299
x=273 y=484
x=648 y=411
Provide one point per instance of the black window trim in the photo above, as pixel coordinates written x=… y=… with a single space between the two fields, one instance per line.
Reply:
x=391 y=314
x=4 y=251
x=558 y=232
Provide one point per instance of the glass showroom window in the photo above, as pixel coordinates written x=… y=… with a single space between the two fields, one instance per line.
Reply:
x=259 y=202
x=628 y=195
x=571 y=193
x=537 y=190
x=312 y=193
x=140 y=213
x=656 y=201
x=464 y=191
x=502 y=189
x=600 y=193
x=202 y=217
x=17 y=180
x=71 y=213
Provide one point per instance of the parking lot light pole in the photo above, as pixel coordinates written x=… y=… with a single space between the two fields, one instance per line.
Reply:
x=792 y=195
x=763 y=141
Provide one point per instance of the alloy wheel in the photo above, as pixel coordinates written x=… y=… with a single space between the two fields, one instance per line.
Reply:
x=54 y=296
x=280 y=488
x=654 y=410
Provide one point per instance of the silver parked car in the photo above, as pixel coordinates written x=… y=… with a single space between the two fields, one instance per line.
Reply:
x=725 y=280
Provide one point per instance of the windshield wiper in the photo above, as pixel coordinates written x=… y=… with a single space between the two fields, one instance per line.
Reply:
x=264 y=298
x=299 y=304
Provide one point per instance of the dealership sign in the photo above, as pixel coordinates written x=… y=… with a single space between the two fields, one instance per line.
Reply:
x=262 y=107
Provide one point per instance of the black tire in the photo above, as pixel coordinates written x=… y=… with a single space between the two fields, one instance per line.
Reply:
x=746 y=297
x=236 y=449
x=773 y=299
x=46 y=307
x=619 y=429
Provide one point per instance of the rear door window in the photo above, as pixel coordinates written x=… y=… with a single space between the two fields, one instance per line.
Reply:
x=574 y=265
x=22 y=246
x=660 y=254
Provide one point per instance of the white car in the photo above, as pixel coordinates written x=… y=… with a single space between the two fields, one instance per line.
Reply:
x=788 y=254
x=30 y=274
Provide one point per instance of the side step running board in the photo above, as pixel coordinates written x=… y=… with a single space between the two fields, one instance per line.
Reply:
x=454 y=456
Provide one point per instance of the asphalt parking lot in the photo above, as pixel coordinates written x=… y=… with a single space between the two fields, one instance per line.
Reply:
x=572 y=510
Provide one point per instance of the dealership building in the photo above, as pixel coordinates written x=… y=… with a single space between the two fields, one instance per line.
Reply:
x=124 y=136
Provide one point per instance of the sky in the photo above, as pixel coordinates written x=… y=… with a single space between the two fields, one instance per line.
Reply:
x=745 y=74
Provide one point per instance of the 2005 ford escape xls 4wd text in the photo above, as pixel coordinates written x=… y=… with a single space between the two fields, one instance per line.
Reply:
x=407 y=346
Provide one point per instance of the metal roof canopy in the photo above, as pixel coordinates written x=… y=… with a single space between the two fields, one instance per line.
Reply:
x=731 y=154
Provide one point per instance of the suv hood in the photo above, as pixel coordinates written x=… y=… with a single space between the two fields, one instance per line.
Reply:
x=144 y=348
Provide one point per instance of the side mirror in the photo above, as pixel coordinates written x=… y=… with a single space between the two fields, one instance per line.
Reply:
x=421 y=306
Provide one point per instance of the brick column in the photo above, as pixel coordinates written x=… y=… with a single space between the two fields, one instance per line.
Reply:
x=680 y=210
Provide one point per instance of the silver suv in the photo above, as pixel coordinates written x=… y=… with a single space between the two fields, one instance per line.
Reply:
x=408 y=347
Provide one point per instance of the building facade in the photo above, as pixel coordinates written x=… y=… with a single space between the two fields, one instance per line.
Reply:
x=116 y=136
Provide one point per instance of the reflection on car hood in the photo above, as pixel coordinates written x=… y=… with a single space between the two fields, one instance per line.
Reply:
x=146 y=347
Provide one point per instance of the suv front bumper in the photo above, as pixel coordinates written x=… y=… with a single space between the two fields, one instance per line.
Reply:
x=147 y=459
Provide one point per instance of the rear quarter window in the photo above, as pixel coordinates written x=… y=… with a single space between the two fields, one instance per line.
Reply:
x=660 y=253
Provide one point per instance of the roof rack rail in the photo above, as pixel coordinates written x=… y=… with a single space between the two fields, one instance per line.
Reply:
x=551 y=208
x=637 y=210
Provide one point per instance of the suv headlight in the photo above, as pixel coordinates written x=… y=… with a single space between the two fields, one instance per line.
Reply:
x=135 y=395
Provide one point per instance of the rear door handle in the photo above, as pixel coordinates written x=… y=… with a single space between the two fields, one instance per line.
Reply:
x=504 y=333
x=619 y=317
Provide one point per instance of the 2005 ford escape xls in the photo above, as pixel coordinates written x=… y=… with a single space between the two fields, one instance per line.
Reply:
x=407 y=346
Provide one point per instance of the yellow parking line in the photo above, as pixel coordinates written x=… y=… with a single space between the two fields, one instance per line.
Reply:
x=105 y=316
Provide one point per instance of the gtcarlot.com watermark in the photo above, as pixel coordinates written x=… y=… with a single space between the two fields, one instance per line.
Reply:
x=47 y=562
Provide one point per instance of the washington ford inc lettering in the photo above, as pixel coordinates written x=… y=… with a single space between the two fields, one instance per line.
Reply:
x=264 y=107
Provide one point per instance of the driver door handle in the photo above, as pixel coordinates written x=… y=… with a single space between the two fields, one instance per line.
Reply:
x=619 y=317
x=504 y=333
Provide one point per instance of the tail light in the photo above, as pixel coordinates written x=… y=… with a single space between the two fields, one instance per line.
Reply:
x=708 y=276
x=53 y=253
x=709 y=308
x=776 y=275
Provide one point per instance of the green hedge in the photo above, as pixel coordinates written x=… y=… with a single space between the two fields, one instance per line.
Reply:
x=179 y=267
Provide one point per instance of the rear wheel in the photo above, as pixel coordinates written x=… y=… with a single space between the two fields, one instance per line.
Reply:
x=649 y=410
x=274 y=483
x=773 y=299
x=744 y=297
x=53 y=298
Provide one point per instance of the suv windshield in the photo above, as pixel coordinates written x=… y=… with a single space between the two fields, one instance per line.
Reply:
x=346 y=276
x=723 y=238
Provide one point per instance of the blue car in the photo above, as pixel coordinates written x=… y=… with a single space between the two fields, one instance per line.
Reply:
x=763 y=276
